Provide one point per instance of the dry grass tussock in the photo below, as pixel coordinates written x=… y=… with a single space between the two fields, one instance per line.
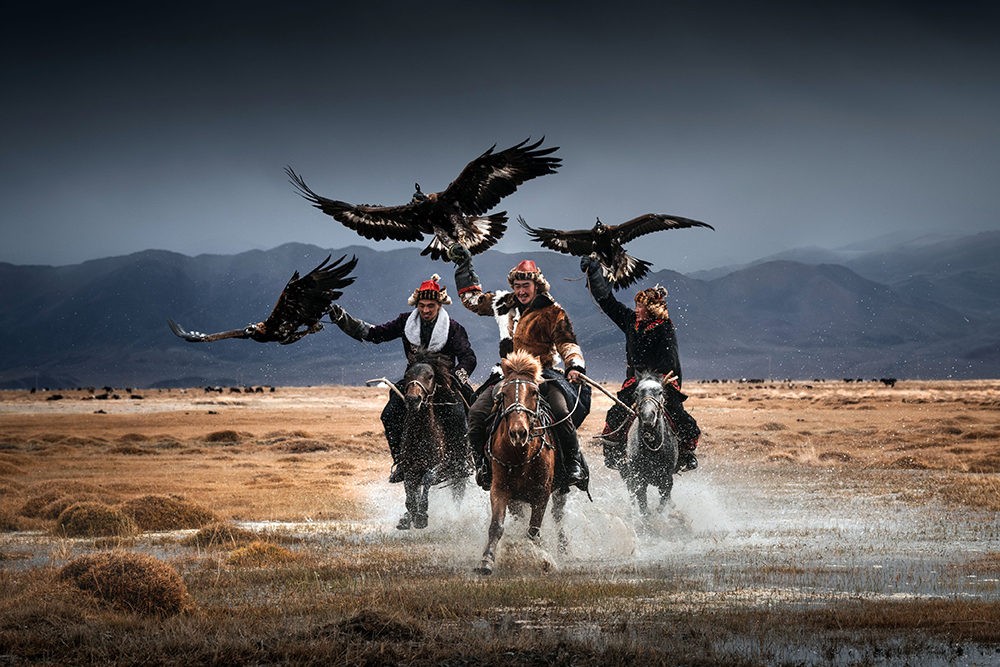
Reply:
x=90 y=519
x=262 y=554
x=153 y=512
x=48 y=499
x=225 y=535
x=134 y=582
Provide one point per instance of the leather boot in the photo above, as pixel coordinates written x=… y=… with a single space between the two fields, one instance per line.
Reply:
x=484 y=470
x=570 y=446
x=396 y=476
x=686 y=460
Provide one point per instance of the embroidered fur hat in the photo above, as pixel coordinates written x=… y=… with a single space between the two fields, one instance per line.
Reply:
x=527 y=270
x=654 y=299
x=431 y=290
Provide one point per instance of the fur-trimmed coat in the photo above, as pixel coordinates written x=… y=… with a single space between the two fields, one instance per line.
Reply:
x=454 y=346
x=542 y=327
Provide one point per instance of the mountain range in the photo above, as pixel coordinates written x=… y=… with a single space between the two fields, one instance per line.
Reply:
x=926 y=308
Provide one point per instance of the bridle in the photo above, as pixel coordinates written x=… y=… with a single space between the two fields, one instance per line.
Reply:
x=536 y=418
x=425 y=391
x=660 y=411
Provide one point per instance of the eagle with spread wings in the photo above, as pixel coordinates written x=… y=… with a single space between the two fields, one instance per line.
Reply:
x=455 y=215
x=605 y=243
x=301 y=305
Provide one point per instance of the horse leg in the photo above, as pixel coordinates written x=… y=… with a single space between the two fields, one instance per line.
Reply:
x=406 y=520
x=498 y=502
x=640 y=498
x=665 y=488
x=535 y=522
x=558 y=512
x=420 y=515
x=458 y=489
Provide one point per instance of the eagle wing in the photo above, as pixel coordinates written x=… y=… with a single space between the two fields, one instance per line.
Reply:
x=198 y=337
x=307 y=299
x=624 y=270
x=301 y=304
x=652 y=222
x=399 y=223
x=492 y=176
x=478 y=234
x=579 y=242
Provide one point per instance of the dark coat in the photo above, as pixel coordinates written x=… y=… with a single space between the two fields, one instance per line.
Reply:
x=457 y=349
x=649 y=344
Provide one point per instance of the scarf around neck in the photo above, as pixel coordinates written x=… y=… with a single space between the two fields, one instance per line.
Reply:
x=439 y=336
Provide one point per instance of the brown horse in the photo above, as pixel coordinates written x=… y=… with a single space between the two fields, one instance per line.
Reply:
x=430 y=451
x=521 y=451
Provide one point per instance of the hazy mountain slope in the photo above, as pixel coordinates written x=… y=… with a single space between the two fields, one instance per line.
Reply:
x=933 y=314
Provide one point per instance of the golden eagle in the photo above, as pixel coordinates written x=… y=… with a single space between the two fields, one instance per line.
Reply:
x=605 y=243
x=455 y=215
x=302 y=303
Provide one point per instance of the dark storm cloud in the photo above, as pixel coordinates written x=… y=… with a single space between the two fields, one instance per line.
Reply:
x=782 y=124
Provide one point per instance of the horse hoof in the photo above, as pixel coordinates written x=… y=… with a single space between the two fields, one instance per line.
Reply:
x=420 y=521
x=486 y=569
x=404 y=522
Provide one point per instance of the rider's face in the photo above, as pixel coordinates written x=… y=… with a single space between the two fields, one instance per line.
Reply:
x=524 y=290
x=428 y=309
x=641 y=312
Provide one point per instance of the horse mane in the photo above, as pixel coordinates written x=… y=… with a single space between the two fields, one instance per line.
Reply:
x=521 y=362
x=442 y=370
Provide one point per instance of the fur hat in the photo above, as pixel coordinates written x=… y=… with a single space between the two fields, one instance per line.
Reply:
x=431 y=290
x=654 y=299
x=527 y=270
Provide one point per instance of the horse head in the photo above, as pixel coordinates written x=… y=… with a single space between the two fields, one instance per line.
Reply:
x=518 y=395
x=426 y=373
x=649 y=409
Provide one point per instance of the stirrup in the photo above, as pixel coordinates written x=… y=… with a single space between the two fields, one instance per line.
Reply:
x=484 y=478
x=574 y=473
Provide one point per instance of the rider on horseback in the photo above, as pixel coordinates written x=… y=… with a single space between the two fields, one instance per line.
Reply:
x=529 y=320
x=650 y=344
x=428 y=326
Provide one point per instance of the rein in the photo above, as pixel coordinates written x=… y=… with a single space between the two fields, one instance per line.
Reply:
x=534 y=416
x=568 y=414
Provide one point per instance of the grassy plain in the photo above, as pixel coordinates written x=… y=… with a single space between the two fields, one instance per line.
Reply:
x=829 y=523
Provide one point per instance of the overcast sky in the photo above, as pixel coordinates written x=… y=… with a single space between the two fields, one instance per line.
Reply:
x=781 y=124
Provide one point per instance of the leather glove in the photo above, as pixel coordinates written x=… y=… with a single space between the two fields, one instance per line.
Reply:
x=352 y=326
x=596 y=281
x=465 y=275
x=459 y=253
x=589 y=264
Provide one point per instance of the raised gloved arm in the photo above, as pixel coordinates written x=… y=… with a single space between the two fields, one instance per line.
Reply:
x=352 y=326
x=465 y=275
x=596 y=281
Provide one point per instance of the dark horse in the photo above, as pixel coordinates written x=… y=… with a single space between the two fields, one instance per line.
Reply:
x=521 y=451
x=651 y=455
x=434 y=447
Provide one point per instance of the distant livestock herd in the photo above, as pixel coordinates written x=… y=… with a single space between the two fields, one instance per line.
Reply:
x=110 y=392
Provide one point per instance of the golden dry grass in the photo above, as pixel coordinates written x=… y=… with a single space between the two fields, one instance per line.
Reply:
x=312 y=454
x=134 y=582
x=93 y=519
x=153 y=512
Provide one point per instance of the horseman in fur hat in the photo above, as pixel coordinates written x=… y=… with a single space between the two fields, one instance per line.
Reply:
x=651 y=345
x=427 y=326
x=530 y=320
